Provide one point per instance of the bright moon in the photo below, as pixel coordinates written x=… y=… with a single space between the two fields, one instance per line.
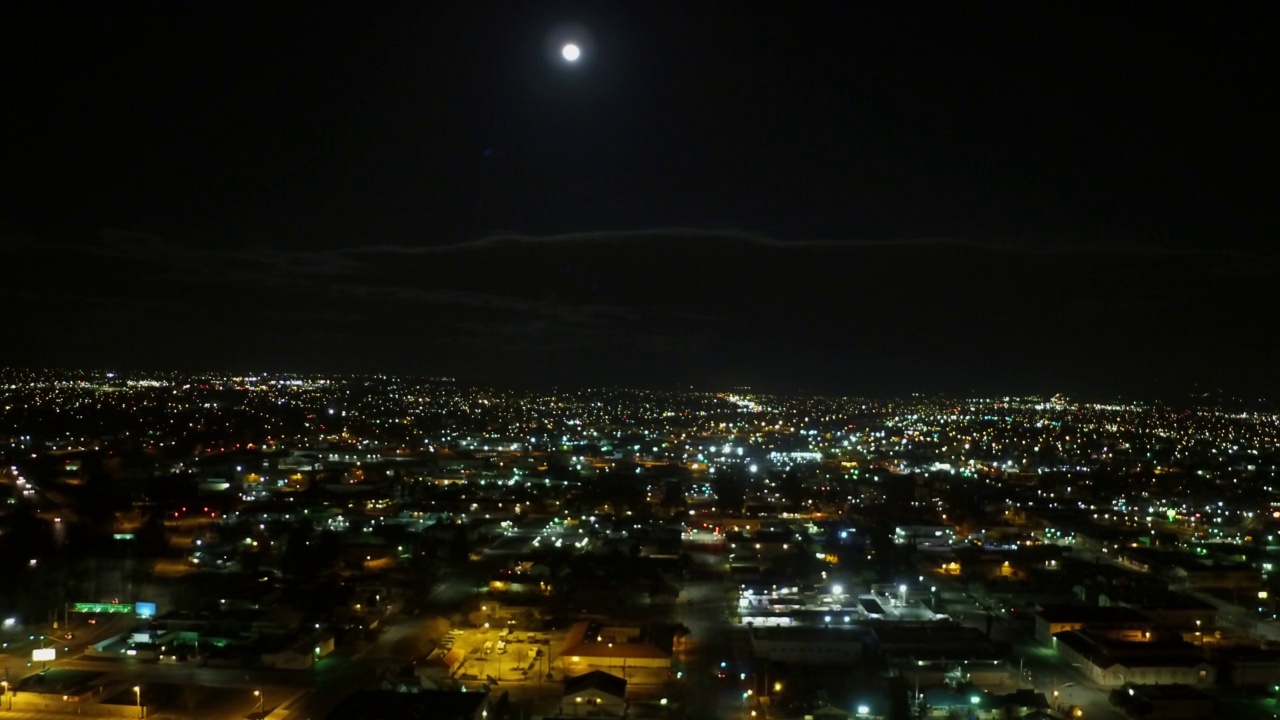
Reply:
x=570 y=52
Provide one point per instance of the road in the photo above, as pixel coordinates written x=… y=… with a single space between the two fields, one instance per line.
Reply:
x=15 y=660
x=712 y=640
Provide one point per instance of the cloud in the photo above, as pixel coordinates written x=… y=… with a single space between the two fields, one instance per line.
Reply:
x=665 y=303
x=1034 y=246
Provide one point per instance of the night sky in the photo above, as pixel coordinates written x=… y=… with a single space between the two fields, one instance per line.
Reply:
x=843 y=198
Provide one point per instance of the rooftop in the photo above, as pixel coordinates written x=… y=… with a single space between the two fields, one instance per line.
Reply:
x=809 y=633
x=1092 y=614
x=581 y=641
x=596 y=680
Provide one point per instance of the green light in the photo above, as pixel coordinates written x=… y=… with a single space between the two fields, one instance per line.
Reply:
x=122 y=608
x=974 y=699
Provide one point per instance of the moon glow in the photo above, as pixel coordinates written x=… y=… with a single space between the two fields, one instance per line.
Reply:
x=570 y=52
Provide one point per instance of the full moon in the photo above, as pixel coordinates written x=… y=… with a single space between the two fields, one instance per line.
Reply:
x=570 y=52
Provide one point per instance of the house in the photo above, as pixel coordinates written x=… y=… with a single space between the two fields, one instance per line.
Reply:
x=1114 y=663
x=435 y=671
x=292 y=658
x=627 y=652
x=594 y=694
x=1167 y=609
x=1022 y=703
x=302 y=654
x=1123 y=622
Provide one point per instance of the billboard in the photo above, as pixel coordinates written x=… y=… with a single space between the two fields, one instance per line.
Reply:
x=43 y=654
x=145 y=609
x=102 y=607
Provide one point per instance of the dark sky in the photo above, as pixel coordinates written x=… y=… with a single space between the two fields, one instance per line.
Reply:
x=997 y=197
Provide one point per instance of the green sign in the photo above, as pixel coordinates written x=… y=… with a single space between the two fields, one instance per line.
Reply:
x=102 y=607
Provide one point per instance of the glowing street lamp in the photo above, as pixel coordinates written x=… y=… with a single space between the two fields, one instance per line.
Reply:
x=137 y=691
x=261 y=699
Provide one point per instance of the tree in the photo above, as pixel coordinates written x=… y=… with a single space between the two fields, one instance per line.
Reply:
x=408 y=647
x=151 y=538
x=673 y=496
x=731 y=492
x=299 y=553
x=460 y=545
x=328 y=548
x=435 y=628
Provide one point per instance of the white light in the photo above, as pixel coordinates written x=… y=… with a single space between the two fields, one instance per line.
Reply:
x=837 y=590
x=571 y=52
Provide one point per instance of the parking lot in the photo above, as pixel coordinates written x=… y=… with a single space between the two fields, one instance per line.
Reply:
x=504 y=656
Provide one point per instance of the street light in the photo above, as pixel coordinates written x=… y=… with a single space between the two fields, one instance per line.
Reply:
x=261 y=700
x=137 y=692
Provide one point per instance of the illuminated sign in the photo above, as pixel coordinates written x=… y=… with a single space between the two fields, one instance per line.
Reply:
x=43 y=654
x=145 y=609
x=103 y=607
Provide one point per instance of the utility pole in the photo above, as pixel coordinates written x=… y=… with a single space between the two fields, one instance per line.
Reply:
x=919 y=709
